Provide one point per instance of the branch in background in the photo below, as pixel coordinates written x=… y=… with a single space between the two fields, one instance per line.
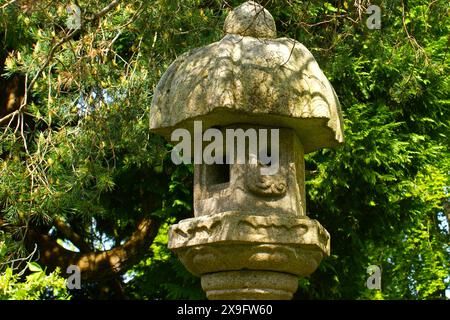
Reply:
x=52 y=51
x=7 y=4
x=50 y=56
x=72 y=236
x=72 y=34
x=97 y=265
x=20 y=262
x=105 y=10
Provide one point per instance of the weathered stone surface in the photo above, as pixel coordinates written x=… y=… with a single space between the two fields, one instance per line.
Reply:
x=250 y=192
x=204 y=259
x=252 y=20
x=235 y=241
x=249 y=285
x=243 y=79
x=240 y=227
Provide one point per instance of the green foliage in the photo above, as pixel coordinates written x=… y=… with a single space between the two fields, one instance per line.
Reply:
x=163 y=276
x=37 y=285
x=89 y=155
x=381 y=194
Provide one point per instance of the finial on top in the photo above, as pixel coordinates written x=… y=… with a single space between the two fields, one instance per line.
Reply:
x=252 y=20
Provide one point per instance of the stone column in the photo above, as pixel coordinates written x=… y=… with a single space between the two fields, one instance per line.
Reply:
x=250 y=237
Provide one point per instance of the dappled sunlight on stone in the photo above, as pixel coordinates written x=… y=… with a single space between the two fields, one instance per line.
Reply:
x=250 y=237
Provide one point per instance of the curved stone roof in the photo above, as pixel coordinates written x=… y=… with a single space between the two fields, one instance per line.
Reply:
x=251 y=80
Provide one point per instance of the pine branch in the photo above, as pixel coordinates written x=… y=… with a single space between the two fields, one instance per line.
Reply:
x=68 y=37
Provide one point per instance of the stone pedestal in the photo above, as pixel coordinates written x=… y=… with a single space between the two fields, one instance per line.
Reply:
x=249 y=284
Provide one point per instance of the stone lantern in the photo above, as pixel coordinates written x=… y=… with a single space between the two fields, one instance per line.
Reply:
x=250 y=237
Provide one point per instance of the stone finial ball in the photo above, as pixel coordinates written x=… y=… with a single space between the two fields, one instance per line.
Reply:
x=250 y=19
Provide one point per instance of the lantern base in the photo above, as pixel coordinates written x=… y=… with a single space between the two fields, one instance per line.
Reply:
x=249 y=285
